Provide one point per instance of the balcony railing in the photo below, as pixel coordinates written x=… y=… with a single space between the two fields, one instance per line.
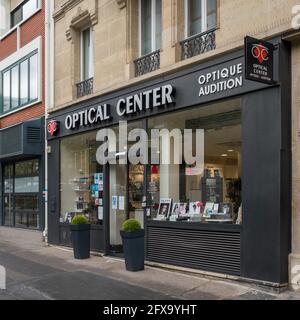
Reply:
x=147 y=63
x=85 y=87
x=198 y=44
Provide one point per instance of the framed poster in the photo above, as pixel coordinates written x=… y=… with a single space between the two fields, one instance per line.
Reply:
x=164 y=209
x=225 y=208
x=195 y=208
x=179 y=209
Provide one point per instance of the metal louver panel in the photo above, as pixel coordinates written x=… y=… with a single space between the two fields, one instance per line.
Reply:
x=214 y=251
x=33 y=134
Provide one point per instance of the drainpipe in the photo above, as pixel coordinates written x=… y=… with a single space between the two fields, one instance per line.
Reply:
x=49 y=91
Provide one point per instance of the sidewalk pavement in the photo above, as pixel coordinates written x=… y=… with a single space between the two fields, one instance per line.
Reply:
x=27 y=248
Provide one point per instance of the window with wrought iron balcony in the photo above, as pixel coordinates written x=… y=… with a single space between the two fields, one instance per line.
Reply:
x=150 y=21
x=85 y=86
x=200 y=27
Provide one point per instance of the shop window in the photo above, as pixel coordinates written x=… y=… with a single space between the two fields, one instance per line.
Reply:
x=81 y=182
x=208 y=191
x=150 y=26
x=24 y=11
x=201 y=15
x=20 y=84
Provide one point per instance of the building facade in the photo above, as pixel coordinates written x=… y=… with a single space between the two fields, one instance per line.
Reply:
x=179 y=64
x=22 y=109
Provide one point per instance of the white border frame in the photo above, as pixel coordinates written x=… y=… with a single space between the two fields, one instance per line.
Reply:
x=16 y=27
x=35 y=44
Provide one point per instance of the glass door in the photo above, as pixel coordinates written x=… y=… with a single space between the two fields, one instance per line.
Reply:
x=8 y=195
x=118 y=205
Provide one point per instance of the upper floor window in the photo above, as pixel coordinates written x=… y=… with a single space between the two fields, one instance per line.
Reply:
x=86 y=54
x=150 y=25
x=19 y=84
x=23 y=11
x=200 y=16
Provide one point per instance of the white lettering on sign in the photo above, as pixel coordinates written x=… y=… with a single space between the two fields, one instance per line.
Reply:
x=154 y=98
x=87 y=117
x=227 y=78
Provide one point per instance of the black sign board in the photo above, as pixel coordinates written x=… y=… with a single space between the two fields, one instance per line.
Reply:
x=259 y=60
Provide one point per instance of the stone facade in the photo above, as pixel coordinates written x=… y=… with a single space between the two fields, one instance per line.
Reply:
x=115 y=28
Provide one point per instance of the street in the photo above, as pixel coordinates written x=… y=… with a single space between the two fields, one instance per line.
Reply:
x=39 y=272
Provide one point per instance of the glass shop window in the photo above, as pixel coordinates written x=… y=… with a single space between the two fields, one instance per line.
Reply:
x=210 y=190
x=81 y=184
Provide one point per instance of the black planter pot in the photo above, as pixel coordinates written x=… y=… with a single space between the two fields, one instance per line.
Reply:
x=134 y=250
x=80 y=234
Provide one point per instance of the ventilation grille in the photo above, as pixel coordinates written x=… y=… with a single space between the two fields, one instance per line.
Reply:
x=33 y=134
x=205 y=250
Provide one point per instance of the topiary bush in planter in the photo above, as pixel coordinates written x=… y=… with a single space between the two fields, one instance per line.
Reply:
x=80 y=233
x=133 y=244
x=131 y=225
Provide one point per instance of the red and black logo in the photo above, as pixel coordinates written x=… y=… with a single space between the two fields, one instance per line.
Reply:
x=259 y=60
x=260 y=52
x=53 y=127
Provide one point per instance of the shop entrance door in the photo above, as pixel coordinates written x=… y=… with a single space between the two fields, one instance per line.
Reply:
x=118 y=211
x=126 y=194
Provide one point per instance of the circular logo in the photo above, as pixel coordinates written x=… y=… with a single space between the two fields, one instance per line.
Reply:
x=52 y=127
x=260 y=52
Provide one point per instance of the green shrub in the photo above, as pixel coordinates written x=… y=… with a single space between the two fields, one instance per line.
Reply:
x=131 y=225
x=79 y=219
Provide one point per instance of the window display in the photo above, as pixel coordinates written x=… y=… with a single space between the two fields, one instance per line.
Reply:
x=210 y=193
x=81 y=179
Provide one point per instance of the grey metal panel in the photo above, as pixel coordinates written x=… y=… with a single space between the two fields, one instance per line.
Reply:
x=24 y=139
x=11 y=141
x=209 y=250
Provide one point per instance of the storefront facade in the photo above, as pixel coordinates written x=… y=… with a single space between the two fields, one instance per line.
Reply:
x=245 y=182
x=22 y=175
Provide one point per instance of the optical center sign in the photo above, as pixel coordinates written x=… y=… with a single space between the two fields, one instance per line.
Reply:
x=259 y=59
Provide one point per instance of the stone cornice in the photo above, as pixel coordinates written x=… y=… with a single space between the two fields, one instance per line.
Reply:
x=66 y=6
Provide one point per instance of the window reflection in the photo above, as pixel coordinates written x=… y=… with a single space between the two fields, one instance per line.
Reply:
x=209 y=193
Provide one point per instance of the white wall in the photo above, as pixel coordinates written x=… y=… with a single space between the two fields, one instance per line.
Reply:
x=4 y=16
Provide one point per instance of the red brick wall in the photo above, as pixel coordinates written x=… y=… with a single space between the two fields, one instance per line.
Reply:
x=8 y=45
x=31 y=29
x=23 y=115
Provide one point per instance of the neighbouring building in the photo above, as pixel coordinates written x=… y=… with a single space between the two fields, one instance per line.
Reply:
x=180 y=64
x=22 y=109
